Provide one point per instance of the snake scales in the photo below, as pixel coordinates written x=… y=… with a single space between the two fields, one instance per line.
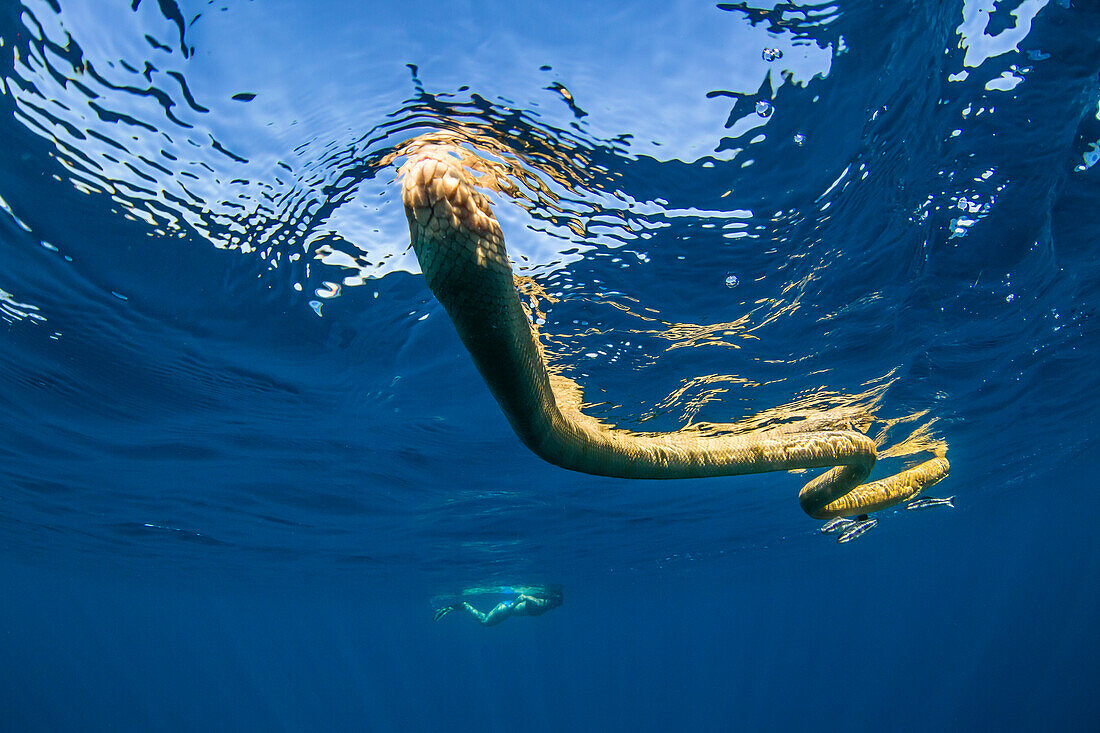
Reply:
x=460 y=247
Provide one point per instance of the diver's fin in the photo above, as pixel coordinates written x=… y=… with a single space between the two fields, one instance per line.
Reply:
x=441 y=612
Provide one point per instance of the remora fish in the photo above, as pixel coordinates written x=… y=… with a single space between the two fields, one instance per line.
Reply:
x=856 y=530
x=929 y=502
x=836 y=524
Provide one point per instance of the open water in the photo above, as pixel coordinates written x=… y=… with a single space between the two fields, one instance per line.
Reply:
x=241 y=447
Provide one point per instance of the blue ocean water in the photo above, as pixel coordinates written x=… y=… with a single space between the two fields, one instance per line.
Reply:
x=243 y=448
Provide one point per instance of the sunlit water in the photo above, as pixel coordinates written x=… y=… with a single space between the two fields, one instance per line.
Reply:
x=220 y=362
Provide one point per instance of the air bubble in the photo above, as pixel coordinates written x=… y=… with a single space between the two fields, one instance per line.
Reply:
x=799 y=139
x=771 y=54
x=732 y=281
x=764 y=108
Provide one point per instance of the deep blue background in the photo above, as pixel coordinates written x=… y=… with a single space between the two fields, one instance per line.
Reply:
x=989 y=622
x=241 y=447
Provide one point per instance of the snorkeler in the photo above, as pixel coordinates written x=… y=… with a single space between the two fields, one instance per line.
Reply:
x=524 y=604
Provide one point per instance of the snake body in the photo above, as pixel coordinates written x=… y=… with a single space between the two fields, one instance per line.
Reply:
x=460 y=246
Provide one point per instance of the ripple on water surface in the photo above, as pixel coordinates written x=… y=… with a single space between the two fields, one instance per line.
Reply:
x=220 y=351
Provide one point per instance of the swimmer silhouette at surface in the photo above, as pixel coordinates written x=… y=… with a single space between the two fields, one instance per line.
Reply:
x=527 y=603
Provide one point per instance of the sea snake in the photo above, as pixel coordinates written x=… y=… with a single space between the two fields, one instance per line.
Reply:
x=460 y=246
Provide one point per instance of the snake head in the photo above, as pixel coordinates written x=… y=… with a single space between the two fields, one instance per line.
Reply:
x=436 y=184
x=446 y=212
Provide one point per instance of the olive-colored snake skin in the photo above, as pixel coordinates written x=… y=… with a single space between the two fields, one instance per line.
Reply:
x=461 y=251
